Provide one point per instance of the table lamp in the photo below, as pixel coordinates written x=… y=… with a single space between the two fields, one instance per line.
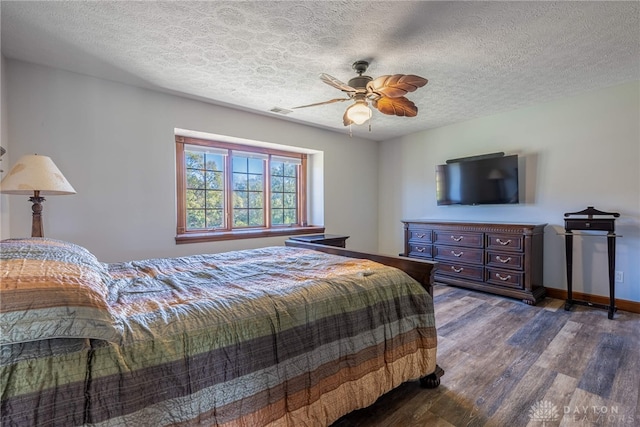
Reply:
x=36 y=176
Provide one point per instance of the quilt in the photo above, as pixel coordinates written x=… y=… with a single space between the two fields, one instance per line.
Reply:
x=276 y=336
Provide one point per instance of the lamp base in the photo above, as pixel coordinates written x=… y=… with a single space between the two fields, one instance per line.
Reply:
x=36 y=222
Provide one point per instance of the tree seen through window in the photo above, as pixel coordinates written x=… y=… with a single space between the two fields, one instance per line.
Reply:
x=225 y=188
x=205 y=190
x=248 y=190
x=284 y=189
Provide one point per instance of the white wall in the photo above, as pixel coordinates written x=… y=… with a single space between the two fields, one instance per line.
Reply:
x=115 y=144
x=575 y=152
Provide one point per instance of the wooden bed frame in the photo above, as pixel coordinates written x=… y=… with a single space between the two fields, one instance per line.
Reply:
x=421 y=270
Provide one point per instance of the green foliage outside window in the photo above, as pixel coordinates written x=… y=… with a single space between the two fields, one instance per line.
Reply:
x=248 y=187
x=205 y=191
x=283 y=193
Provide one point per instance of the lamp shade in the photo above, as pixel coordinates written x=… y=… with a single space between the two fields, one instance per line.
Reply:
x=359 y=112
x=35 y=173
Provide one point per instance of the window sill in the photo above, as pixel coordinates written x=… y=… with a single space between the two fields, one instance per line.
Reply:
x=216 y=236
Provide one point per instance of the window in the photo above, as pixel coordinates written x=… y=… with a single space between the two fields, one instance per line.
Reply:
x=230 y=191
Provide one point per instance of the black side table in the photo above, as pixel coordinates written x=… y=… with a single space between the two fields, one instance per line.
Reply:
x=323 y=239
x=604 y=222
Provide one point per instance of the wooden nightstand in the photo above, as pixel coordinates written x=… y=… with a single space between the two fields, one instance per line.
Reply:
x=323 y=239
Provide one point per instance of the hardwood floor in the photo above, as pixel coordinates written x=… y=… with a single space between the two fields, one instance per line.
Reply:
x=510 y=364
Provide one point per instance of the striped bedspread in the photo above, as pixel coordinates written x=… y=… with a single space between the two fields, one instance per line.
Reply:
x=275 y=336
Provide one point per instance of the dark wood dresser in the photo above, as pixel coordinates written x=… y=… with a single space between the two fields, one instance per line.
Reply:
x=501 y=258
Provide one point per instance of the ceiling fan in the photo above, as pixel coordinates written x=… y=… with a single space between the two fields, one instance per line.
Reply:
x=386 y=93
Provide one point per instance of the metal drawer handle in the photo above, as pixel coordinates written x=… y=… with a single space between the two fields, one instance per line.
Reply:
x=503 y=278
x=420 y=249
x=457 y=270
x=502 y=242
x=456 y=254
x=457 y=239
x=504 y=261
x=420 y=235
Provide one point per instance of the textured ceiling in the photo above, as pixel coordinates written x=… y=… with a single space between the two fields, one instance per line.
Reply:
x=480 y=57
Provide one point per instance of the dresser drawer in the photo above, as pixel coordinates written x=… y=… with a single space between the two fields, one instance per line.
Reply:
x=505 y=242
x=452 y=237
x=511 y=279
x=459 y=254
x=588 y=224
x=511 y=260
x=419 y=234
x=418 y=250
x=462 y=271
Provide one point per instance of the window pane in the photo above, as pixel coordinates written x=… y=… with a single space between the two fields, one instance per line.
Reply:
x=255 y=182
x=240 y=181
x=240 y=217
x=290 y=185
x=248 y=185
x=277 y=201
x=256 y=166
x=289 y=200
x=215 y=199
x=215 y=218
x=240 y=199
x=277 y=168
x=277 y=184
x=277 y=217
x=215 y=162
x=240 y=164
x=256 y=217
x=289 y=169
x=215 y=180
x=290 y=216
x=195 y=178
x=195 y=199
x=194 y=160
x=195 y=218
x=256 y=200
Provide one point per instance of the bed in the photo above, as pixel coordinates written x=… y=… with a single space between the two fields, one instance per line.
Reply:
x=294 y=335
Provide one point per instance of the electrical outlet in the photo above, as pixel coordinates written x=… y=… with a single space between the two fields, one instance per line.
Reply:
x=619 y=277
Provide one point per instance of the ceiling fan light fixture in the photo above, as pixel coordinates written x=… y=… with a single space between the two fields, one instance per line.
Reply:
x=359 y=112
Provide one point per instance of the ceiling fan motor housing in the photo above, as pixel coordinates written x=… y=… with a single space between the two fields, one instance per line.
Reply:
x=360 y=82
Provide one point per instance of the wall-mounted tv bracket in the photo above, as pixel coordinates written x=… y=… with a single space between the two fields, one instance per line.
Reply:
x=478 y=157
x=593 y=220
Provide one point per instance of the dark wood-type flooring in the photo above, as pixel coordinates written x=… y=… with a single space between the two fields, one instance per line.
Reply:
x=510 y=364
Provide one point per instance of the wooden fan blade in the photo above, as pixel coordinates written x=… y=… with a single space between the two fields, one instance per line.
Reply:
x=331 y=101
x=332 y=81
x=396 y=85
x=396 y=106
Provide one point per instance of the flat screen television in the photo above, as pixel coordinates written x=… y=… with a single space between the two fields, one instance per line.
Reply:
x=481 y=181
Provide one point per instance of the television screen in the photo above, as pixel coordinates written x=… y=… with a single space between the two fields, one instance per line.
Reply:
x=484 y=181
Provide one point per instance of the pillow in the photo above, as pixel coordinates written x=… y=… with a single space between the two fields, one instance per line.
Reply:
x=52 y=289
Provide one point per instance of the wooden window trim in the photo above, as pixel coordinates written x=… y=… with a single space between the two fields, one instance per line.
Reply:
x=198 y=237
x=186 y=236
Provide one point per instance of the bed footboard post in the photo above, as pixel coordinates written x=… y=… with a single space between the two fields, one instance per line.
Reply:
x=432 y=380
